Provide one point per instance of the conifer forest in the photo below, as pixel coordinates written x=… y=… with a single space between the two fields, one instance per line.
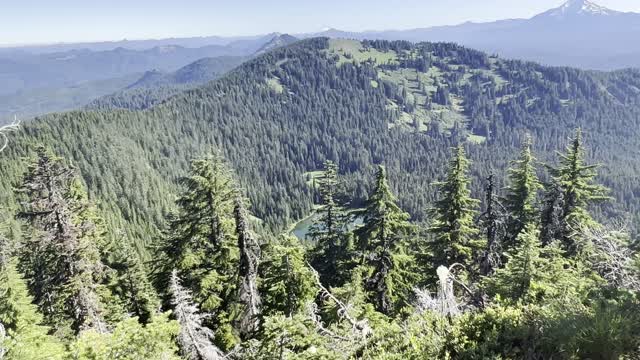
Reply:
x=330 y=199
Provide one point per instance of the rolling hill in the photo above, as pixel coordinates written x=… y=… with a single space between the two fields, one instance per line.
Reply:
x=277 y=117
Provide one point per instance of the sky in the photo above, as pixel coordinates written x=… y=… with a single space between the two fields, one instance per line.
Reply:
x=52 y=21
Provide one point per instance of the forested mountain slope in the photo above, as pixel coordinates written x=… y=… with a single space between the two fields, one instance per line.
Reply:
x=155 y=86
x=278 y=117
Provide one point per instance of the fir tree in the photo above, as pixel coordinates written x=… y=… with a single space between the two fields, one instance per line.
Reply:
x=382 y=243
x=576 y=180
x=131 y=283
x=328 y=231
x=453 y=228
x=522 y=192
x=201 y=244
x=534 y=273
x=60 y=259
x=287 y=283
x=25 y=337
x=551 y=213
x=522 y=266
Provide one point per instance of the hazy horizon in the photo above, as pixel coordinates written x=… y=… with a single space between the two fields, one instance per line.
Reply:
x=73 y=21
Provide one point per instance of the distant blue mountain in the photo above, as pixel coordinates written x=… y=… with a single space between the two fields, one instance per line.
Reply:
x=579 y=33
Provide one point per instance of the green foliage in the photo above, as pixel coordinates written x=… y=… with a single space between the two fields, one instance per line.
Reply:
x=576 y=181
x=60 y=257
x=26 y=338
x=286 y=281
x=455 y=235
x=382 y=240
x=130 y=340
x=200 y=241
x=421 y=336
x=291 y=338
x=534 y=274
x=329 y=231
x=522 y=191
x=131 y=284
x=610 y=331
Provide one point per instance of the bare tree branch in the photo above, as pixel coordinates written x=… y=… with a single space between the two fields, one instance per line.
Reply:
x=195 y=339
x=613 y=259
x=7 y=129
x=361 y=327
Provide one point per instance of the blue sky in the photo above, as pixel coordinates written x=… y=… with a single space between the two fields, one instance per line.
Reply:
x=46 y=21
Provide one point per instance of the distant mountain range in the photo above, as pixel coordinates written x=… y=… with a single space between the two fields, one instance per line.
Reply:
x=579 y=33
x=39 y=79
x=200 y=71
x=24 y=71
x=35 y=84
x=156 y=86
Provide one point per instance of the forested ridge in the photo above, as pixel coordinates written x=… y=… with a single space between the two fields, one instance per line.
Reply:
x=281 y=115
x=516 y=244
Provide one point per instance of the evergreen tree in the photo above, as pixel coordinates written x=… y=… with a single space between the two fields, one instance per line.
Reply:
x=576 y=180
x=201 y=244
x=130 y=340
x=248 y=295
x=382 y=243
x=286 y=282
x=523 y=265
x=441 y=96
x=25 y=337
x=453 y=227
x=522 y=192
x=534 y=274
x=328 y=231
x=551 y=213
x=131 y=283
x=60 y=258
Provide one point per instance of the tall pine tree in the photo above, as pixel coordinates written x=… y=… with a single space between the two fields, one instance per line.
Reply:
x=522 y=192
x=576 y=181
x=132 y=284
x=201 y=244
x=455 y=235
x=329 y=230
x=287 y=283
x=25 y=337
x=382 y=244
x=60 y=259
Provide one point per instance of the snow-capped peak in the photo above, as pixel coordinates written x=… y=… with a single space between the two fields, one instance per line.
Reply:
x=580 y=7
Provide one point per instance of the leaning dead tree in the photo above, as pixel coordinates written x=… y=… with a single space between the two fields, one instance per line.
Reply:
x=195 y=339
x=613 y=259
x=4 y=130
x=248 y=295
